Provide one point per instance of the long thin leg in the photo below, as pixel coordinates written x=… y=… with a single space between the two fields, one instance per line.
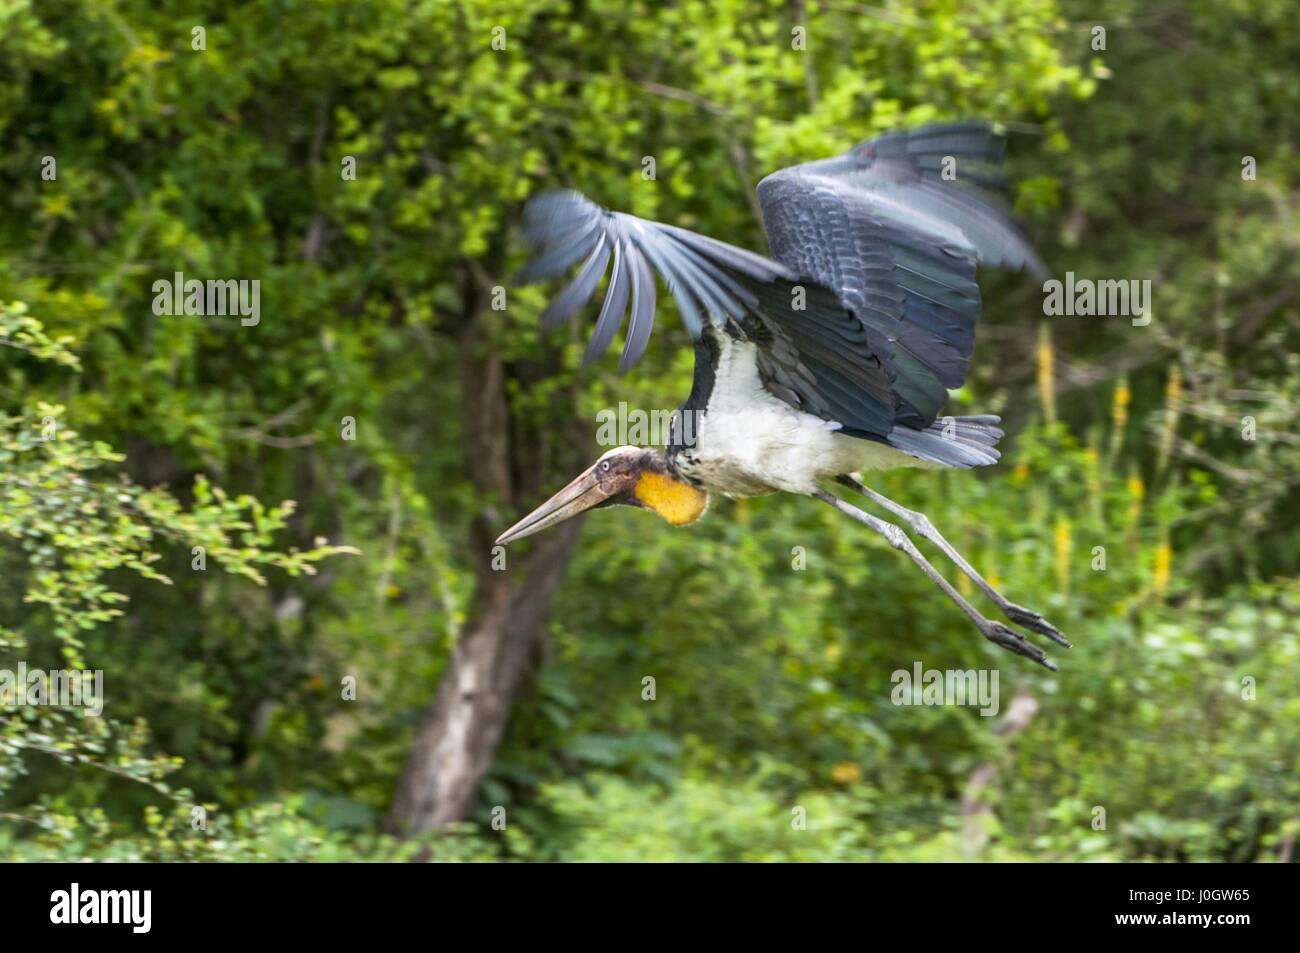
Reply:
x=992 y=630
x=921 y=524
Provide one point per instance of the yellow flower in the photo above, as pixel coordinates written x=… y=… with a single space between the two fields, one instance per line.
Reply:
x=1046 y=373
x=1119 y=407
x=846 y=772
x=1063 y=554
x=1137 y=490
x=1160 y=577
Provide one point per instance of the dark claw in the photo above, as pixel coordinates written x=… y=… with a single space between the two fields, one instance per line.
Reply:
x=1015 y=642
x=1036 y=623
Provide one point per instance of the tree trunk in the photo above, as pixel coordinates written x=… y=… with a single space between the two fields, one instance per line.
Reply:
x=502 y=641
x=976 y=806
x=460 y=733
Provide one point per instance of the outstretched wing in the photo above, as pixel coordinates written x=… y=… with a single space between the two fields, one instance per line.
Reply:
x=865 y=314
x=711 y=280
x=895 y=227
x=812 y=353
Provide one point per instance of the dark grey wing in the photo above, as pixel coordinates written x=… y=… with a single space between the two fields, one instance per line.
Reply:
x=812 y=352
x=711 y=281
x=886 y=228
x=953 y=173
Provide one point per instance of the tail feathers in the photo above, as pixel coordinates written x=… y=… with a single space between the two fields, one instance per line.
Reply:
x=953 y=441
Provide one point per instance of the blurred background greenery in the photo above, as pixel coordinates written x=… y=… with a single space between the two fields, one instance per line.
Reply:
x=1176 y=713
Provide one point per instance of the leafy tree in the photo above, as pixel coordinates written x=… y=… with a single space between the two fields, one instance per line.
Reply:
x=71 y=529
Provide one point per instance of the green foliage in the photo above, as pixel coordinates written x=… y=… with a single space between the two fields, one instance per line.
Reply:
x=69 y=529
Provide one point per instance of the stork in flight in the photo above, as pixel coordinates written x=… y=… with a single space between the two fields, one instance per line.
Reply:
x=830 y=358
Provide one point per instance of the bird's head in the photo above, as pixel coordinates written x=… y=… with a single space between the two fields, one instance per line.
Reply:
x=627 y=476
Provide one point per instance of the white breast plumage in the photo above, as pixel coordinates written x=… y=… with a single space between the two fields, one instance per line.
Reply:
x=750 y=442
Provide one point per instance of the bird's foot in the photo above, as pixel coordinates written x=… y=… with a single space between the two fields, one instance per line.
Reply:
x=1034 y=622
x=1010 y=639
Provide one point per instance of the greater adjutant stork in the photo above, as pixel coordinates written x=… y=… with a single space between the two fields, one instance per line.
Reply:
x=830 y=358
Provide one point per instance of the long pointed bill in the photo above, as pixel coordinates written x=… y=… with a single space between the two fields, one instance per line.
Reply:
x=578 y=497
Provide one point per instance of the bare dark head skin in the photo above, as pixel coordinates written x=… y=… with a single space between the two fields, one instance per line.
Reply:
x=626 y=476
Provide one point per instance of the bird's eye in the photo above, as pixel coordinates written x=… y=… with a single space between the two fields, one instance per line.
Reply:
x=605 y=467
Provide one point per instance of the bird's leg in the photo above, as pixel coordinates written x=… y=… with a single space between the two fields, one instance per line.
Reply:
x=921 y=524
x=992 y=630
